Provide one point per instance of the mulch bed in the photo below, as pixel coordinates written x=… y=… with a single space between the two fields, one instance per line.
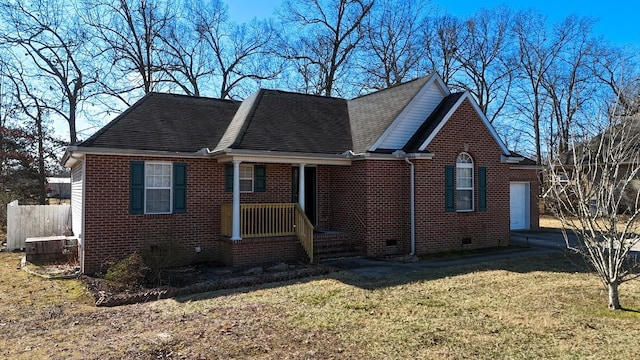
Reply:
x=106 y=294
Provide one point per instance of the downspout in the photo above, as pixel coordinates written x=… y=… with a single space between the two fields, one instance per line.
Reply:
x=412 y=206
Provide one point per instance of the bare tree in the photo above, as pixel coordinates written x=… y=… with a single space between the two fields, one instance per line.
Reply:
x=129 y=34
x=327 y=34
x=34 y=147
x=55 y=46
x=442 y=36
x=619 y=70
x=485 y=60
x=185 y=58
x=569 y=80
x=393 y=44
x=238 y=52
x=538 y=51
x=32 y=106
x=595 y=192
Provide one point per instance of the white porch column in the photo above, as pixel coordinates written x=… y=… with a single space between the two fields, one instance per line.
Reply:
x=235 y=228
x=301 y=186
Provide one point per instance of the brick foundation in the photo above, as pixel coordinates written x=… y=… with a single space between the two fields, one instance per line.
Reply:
x=261 y=250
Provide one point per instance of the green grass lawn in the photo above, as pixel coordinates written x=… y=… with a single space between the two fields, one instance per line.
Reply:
x=542 y=307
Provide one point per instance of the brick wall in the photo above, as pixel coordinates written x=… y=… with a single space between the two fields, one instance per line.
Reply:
x=111 y=233
x=348 y=200
x=261 y=250
x=437 y=230
x=380 y=190
x=388 y=207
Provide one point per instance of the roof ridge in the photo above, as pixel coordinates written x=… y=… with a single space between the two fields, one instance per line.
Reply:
x=393 y=86
x=248 y=118
x=303 y=94
x=194 y=96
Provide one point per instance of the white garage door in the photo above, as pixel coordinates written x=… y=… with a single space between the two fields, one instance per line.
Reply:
x=519 y=195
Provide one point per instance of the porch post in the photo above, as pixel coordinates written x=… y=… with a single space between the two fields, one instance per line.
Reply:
x=301 y=186
x=235 y=228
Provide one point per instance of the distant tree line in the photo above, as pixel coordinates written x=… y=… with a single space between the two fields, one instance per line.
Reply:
x=537 y=81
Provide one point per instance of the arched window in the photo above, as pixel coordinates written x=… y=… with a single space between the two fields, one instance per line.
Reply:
x=464 y=182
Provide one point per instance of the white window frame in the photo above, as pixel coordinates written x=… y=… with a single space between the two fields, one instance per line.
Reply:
x=147 y=187
x=465 y=161
x=245 y=178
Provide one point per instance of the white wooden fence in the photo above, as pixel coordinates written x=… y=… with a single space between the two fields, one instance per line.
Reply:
x=25 y=221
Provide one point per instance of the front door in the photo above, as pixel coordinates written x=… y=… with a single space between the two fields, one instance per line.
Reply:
x=519 y=205
x=310 y=181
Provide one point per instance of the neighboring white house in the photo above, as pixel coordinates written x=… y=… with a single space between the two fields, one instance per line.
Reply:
x=59 y=187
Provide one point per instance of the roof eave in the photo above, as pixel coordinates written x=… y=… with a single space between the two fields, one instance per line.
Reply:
x=72 y=153
x=267 y=156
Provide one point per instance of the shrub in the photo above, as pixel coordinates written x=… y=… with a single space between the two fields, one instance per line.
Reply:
x=161 y=251
x=129 y=272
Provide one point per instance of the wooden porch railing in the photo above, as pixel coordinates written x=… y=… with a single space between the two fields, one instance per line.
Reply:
x=304 y=231
x=266 y=220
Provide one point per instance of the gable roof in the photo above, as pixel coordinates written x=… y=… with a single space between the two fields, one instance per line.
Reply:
x=432 y=122
x=167 y=122
x=273 y=120
x=286 y=122
x=371 y=115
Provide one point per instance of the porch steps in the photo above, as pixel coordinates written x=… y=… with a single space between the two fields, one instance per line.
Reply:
x=332 y=245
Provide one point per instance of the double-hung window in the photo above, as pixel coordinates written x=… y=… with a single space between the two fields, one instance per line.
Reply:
x=157 y=187
x=246 y=178
x=253 y=178
x=464 y=182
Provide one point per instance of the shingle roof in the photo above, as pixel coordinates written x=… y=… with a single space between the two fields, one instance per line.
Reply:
x=292 y=122
x=269 y=120
x=167 y=122
x=371 y=115
x=432 y=122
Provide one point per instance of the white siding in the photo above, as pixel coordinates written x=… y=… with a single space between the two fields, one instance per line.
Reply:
x=77 y=208
x=76 y=199
x=410 y=119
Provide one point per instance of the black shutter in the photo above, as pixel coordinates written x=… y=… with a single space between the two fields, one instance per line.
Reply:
x=179 y=188
x=259 y=178
x=449 y=188
x=136 y=187
x=228 y=171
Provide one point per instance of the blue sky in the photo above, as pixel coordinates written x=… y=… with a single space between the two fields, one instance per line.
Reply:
x=618 y=21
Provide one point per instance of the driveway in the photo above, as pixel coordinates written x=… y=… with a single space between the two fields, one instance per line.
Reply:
x=535 y=242
x=547 y=237
x=542 y=238
x=538 y=243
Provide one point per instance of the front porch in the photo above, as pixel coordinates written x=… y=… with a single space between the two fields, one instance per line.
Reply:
x=268 y=221
x=278 y=232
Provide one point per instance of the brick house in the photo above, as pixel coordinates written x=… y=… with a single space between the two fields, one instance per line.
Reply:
x=413 y=169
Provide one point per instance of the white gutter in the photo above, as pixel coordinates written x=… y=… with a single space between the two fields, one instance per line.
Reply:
x=511 y=159
x=412 y=201
x=72 y=151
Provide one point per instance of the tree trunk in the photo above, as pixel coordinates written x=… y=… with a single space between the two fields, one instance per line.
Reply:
x=614 y=301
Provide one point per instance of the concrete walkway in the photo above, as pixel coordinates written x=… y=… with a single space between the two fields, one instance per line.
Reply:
x=538 y=242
